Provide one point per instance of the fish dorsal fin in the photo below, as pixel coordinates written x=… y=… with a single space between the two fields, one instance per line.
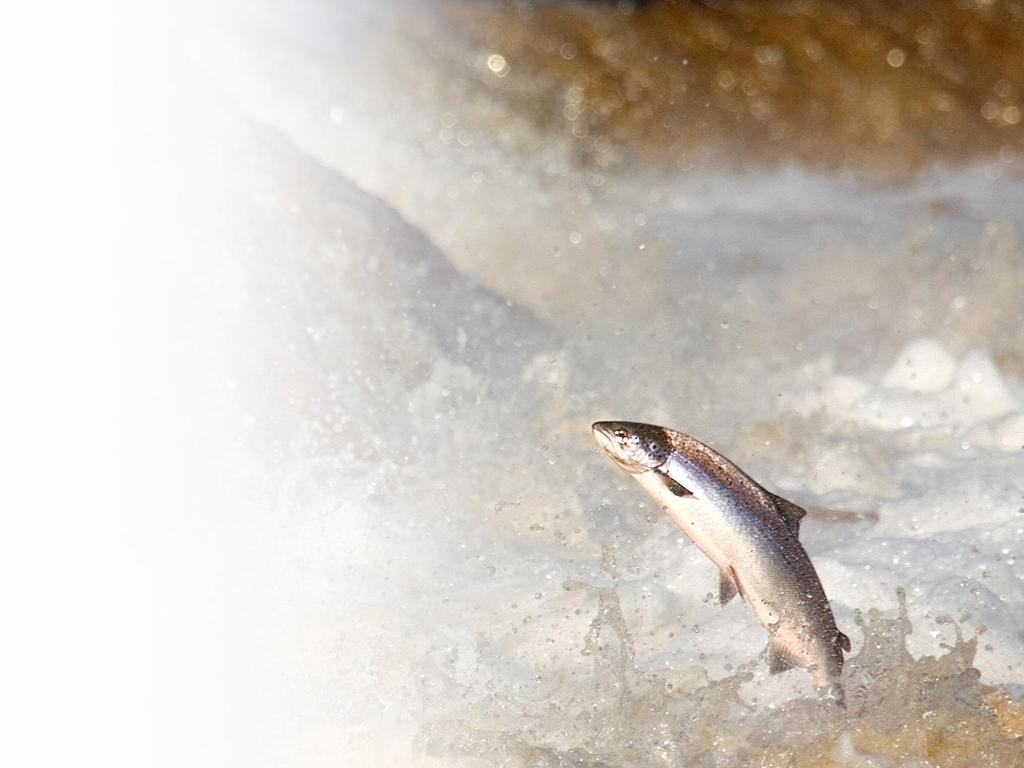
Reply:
x=728 y=585
x=673 y=487
x=791 y=514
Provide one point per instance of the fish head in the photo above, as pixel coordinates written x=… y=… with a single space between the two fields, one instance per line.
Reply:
x=634 y=447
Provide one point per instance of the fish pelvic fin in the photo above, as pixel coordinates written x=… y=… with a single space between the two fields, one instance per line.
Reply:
x=790 y=513
x=781 y=657
x=728 y=587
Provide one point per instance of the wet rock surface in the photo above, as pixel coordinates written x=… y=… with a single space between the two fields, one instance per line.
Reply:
x=884 y=87
x=425 y=271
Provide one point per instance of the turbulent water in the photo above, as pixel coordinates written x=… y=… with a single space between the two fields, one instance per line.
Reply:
x=426 y=245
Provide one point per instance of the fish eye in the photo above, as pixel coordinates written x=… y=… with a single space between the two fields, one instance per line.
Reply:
x=620 y=433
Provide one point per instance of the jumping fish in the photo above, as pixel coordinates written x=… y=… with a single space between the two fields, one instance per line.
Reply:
x=749 y=533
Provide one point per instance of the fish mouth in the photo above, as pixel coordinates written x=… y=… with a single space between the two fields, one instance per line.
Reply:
x=603 y=434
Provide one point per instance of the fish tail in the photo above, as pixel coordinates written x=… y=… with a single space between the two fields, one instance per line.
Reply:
x=837 y=694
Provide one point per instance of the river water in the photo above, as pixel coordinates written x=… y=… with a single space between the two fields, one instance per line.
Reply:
x=425 y=245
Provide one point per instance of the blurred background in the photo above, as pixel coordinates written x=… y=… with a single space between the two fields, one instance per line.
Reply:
x=382 y=266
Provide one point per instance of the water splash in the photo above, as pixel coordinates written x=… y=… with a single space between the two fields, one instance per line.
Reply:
x=902 y=711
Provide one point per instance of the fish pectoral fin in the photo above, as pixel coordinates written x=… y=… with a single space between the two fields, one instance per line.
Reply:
x=673 y=487
x=781 y=657
x=842 y=641
x=790 y=513
x=727 y=585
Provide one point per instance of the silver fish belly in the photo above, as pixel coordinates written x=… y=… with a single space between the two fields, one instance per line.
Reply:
x=748 y=532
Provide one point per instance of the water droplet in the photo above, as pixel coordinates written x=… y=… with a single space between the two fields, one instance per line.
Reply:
x=497 y=64
x=896 y=57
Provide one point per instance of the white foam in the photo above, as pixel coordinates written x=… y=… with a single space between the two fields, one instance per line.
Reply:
x=924 y=366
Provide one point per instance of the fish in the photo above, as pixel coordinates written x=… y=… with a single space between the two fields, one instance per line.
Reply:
x=751 y=534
